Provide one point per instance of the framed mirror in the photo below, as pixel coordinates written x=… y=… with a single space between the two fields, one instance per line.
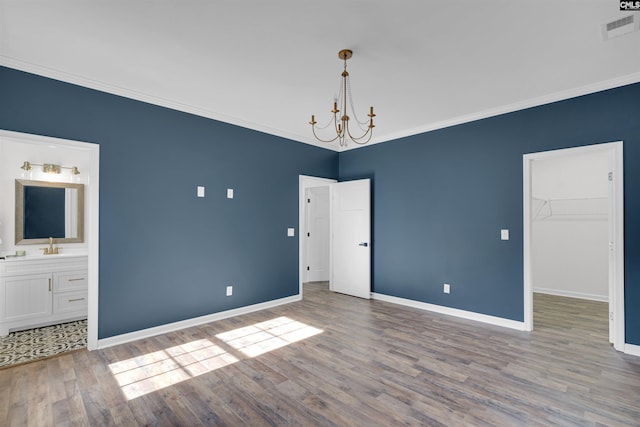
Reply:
x=49 y=209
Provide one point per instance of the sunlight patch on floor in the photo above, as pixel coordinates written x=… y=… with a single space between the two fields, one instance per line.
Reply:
x=266 y=336
x=154 y=371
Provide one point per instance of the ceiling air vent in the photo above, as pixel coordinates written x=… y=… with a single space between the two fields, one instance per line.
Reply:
x=620 y=27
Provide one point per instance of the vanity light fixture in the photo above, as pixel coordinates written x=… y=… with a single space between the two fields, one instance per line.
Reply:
x=50 y=168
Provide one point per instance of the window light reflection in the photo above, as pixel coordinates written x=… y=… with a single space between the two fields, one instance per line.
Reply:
x=263 y=337
x=154 y=371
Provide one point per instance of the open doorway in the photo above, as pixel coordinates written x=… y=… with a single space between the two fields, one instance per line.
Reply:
x=21 y=147
x=314 y=218
x=316 y=235
x=573 y=232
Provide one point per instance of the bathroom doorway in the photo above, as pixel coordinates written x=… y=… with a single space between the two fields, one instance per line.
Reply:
x=17 y=148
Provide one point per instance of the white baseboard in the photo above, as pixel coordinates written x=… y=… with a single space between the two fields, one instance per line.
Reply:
x=470 y=315
x=175 y=326
x=571 y=294
x=632 y=349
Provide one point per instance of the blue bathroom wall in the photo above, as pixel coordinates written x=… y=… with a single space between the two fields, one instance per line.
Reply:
x=440 y=199
x=166 y=255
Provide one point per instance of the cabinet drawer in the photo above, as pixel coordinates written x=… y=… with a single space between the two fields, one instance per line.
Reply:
x=70 y=301
x=70 y=281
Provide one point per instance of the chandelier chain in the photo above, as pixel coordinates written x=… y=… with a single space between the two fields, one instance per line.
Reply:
x=355 y=116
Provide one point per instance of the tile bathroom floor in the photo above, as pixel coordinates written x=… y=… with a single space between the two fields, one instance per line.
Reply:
x=38 y=343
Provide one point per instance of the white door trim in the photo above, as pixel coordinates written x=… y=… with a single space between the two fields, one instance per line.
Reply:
x=616 y=290
x=91 y=225
x=305 y=182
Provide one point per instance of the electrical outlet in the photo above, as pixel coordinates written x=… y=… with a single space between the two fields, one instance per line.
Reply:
x=229 y=291
x=447 y=288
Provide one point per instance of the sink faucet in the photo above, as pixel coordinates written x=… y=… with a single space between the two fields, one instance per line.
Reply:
x=50 y=250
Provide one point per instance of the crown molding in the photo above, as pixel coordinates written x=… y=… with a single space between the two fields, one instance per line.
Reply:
x=510 y=108
x=112 y=89
x=174 y=105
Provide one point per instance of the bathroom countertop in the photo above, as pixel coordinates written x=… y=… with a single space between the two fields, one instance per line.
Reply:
x=13 y=258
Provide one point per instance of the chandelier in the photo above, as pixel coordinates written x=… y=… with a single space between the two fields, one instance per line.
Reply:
x=343 y=131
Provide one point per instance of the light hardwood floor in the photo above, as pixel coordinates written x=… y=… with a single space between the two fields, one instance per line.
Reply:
x=338 y=360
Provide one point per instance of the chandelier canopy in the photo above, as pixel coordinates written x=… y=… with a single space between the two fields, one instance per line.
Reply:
x=343 y=131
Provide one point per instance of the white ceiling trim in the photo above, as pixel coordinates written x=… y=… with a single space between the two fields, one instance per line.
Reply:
x=145 y=97
x=516 y=106
x=151 y=99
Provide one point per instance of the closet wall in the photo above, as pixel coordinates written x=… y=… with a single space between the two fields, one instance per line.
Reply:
x=570 y=226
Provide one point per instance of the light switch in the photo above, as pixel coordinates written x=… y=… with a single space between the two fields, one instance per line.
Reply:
x=229 y=193
x=504 y=234
x=200 y=191
x=291 y=232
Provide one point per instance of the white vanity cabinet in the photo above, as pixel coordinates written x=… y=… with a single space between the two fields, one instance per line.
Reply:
x=25 y=298
x=42 y=290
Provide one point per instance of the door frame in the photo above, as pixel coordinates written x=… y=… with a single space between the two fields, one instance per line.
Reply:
x=616 y=227
x=92 y=226
x=304 y=182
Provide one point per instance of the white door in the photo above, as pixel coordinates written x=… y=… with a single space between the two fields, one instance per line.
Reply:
x=317 y=234
x=351 y=238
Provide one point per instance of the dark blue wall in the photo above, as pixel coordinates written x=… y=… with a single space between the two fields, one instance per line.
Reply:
x=440 y=199
x=166 y=255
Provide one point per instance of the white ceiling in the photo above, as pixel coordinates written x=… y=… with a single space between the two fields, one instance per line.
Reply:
x=268 y=65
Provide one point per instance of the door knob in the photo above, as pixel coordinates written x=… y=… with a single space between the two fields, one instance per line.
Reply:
x=365 y=244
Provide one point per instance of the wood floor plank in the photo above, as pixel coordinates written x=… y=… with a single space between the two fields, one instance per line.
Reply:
x=336 y=360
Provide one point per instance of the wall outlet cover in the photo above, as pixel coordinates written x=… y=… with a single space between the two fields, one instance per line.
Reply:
x=200 y=191
x=229 y=291
x=447 y=288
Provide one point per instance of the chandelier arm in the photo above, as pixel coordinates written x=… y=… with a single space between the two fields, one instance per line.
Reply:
x=320 y=139
x=358 y=138
x=329 y=123
x=357 y=141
